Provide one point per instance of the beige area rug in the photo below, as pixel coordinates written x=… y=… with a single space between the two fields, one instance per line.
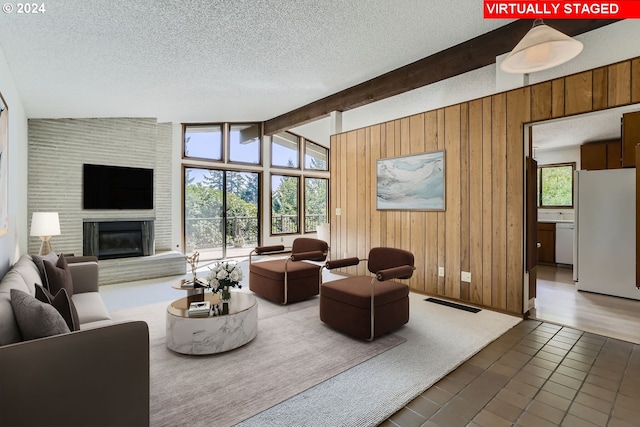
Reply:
x=292 y=352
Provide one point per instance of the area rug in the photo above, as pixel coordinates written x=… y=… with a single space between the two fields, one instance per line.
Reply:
x=292 y=352
x=439 y=339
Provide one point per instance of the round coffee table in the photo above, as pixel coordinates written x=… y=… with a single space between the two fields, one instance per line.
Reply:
x=215 y=333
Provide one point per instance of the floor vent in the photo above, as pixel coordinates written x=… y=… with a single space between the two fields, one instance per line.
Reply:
x=453 y=305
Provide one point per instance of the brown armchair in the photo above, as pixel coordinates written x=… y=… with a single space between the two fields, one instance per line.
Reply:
x=364 y=306
x=291 y=279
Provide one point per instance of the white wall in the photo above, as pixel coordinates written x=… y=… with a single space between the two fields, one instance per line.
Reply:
x=14 y=243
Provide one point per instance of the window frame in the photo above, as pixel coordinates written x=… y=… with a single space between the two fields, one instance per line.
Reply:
x=539 y=185
x=298 y=199
x=299 y=152
x=304 y=195
x=227 y=141
x=185 y=126
x=304 y=155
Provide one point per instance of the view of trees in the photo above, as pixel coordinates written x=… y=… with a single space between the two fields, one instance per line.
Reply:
x=555 y=185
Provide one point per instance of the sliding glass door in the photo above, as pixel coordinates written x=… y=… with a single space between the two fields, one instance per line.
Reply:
x=221 y=212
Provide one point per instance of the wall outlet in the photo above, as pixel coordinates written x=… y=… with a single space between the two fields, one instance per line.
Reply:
x=338 y=211
x=441 y=271
x=465 y=276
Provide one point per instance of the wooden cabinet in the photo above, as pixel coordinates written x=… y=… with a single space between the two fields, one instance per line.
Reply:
x=630 y=137
x=547 y=240
x=600 y=155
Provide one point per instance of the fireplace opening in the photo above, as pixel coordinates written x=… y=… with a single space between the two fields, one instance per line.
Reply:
x=118 y=239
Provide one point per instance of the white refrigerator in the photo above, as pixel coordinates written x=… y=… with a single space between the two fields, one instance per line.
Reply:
x=605 y=232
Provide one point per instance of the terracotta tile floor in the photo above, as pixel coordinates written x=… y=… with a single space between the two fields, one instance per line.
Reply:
x=538 y=374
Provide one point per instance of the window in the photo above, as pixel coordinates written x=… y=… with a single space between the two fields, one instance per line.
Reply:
x=555 y=185
x=203 y=142
x=285 y=150
x=315 y=156
x=315 y=202
x=244 y=143
x=284 y=204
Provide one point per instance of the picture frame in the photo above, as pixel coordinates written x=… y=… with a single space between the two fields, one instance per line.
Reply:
x=412 y=182
x=4 y=164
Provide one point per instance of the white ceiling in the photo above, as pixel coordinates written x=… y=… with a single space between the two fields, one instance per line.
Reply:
x=218 y=60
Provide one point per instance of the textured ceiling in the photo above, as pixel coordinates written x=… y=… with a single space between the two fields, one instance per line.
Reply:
x=218 y=60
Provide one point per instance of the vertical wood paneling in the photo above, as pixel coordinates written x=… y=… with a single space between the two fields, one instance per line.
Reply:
x=361 y=200
x=334 y=189
x=475 y=200
x=600 y=88
x=482 y=229
x=635 y=80
x=487 y=201
x=373 y=154
x=557 y=98
x=578 y=93
x=452 y=214
x=442 y=244
x=619 y=83
x=351 y=202
x=464 y=200
x=518 y=112
x=345 y=189
x=499 y=222
x=431 y=232
x=541 y=101
x=418 y=219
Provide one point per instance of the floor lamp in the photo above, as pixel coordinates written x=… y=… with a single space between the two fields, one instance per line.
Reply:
x=45 y=225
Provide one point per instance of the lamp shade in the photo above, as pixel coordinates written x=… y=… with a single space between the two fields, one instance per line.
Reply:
x=45 y=224
x=541 y=48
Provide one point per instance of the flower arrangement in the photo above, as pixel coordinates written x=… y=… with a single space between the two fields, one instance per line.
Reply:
x=224 y=275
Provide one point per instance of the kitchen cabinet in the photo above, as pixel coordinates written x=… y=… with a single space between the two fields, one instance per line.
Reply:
x=630 y=137
x=547 y=240
x=600 y=155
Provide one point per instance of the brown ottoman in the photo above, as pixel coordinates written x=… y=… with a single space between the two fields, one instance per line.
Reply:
x=346 y=305
x=266 y=278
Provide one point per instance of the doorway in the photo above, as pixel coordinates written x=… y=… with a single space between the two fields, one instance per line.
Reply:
x=221 y=212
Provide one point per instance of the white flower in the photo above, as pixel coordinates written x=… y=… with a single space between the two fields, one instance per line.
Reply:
x=235 y=275
x=214 y=284
x=222 y=274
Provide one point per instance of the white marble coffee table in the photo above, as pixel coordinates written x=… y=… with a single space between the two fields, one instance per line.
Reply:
x=212 y=334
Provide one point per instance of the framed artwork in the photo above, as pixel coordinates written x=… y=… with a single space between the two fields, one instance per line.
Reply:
x=413 y=182
x=4 y=162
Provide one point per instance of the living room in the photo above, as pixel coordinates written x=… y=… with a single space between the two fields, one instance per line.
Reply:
x=26 y=194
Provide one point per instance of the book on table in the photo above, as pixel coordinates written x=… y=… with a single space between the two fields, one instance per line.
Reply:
x=199 y=308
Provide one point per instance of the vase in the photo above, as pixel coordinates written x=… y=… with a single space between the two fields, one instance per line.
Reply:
x=226 y=295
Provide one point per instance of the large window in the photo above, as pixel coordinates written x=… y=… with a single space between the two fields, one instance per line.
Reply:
x=284 y=204
x=555 y=185
x=203 y=142
x=315 y=202
x=244 y=143
x=285 y=150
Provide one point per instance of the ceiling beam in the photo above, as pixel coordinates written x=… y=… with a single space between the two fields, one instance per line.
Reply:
x=467 y=56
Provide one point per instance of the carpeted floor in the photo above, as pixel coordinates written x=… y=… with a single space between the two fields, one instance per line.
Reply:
x=438 y=339
x=292 y=352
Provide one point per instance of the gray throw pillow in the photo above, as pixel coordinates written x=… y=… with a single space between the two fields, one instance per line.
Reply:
x=58 y=276
x=38 y=260
x=36 y=319
x=61 y=302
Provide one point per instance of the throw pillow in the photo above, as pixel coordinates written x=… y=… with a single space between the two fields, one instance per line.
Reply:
x=61 y=302
x=38 y=260
x=36 y=319
x=59 y=276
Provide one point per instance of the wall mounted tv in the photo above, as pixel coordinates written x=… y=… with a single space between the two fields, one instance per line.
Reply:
x=116 y=187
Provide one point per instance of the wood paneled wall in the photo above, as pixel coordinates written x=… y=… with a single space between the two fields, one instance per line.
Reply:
x=482 y=229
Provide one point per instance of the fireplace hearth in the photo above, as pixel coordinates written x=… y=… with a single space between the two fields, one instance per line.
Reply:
x=109 y=239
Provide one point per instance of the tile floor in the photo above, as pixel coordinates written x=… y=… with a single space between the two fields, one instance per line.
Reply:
x=536 y=375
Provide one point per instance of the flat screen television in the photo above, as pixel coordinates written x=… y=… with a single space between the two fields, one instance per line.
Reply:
x=116 y=187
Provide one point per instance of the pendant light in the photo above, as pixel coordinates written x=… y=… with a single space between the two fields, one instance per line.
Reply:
x=541 y=48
